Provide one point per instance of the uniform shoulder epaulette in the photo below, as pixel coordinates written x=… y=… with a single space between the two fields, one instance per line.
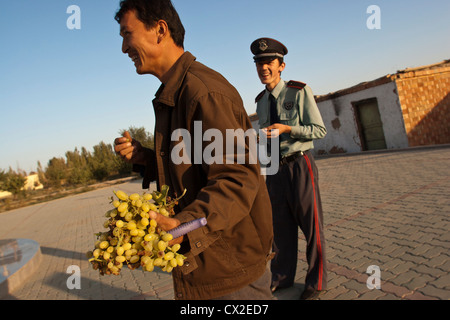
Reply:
x=260 y=96
x=296 y=84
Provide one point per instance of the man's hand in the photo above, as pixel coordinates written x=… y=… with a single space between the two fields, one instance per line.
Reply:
x=276 y=130
x=129 y=149
x=166 y=224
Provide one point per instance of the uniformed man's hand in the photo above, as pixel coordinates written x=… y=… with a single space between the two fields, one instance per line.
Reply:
x=129 y=149
x=166 y=224
x=275 y=130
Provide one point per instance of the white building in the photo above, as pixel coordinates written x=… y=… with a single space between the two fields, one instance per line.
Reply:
x=409 y=108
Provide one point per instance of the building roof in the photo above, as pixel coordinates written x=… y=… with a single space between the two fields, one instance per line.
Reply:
x=443 y=66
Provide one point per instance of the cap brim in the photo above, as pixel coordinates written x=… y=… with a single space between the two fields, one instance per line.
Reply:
x=267 y=57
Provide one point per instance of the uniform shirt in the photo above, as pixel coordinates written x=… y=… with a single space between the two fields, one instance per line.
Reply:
x=297 y=108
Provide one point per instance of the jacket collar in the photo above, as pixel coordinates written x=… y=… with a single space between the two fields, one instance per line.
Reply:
x=278 y=88
x=172 y=80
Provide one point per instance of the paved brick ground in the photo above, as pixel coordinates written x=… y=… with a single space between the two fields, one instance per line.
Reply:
x=388 y=209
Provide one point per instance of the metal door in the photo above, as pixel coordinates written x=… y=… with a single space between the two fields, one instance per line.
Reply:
x=370 y=125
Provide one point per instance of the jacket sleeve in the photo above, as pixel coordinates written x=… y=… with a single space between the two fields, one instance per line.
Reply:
x=231 y=187
x=311 y=124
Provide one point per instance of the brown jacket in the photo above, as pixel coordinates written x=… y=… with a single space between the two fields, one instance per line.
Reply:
x=233 y=249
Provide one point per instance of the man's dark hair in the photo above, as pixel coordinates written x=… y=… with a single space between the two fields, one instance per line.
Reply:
x=151 y=11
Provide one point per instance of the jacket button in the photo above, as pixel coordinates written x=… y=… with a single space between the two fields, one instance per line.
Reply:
x=179 y=295
x=186 y=263
x=162 y=153
x=198 y=244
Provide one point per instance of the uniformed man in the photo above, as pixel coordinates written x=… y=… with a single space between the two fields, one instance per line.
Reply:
x=288 y=110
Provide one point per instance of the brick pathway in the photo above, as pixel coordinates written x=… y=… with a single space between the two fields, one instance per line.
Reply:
x=390 y=209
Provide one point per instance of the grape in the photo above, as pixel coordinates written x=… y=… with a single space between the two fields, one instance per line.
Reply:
x=120 y=259
x=132 y=238
x=180 y=260
x=134 y=259
x=106 y=255
x=120 y=251
x=158 y=262
x=134 y=196
x=145 y=215
x=169 y=256
x=128 y=216
x=150 y=237
x=145 y=222
x=173 y=262
x=104 y=245
x=149 y=267
x=122 y=195
x=122 y=207
x=147 y=197
x=116 y=203
x=96 y=253
x=168 y=268
x=167 y=237
x=145 y=207
x=119 y=224
x=141 y=233
x=164 y=212
x=115 y=270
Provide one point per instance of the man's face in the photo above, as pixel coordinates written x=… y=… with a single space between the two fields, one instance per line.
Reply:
x=269 y=72
x=140 y=43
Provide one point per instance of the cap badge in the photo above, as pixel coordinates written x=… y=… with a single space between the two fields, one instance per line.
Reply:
x=263 y=45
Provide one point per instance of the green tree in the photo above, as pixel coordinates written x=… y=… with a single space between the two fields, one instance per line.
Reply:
x=12 y=182
x=3 y=178
x=102 y=162
x=56 y=172
x=41 y=174
x=78 y=169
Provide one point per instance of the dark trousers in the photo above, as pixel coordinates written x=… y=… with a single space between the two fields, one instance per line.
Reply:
x=295 y=196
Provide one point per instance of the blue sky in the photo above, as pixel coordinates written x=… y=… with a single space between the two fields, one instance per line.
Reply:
x=62 y=89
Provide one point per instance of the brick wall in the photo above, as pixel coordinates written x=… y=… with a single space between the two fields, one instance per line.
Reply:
x=424 y=96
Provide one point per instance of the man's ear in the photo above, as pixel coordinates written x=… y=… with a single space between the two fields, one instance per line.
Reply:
x=281 y=68
x=162 y=30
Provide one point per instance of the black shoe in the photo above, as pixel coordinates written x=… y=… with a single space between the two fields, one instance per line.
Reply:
x=310 y=294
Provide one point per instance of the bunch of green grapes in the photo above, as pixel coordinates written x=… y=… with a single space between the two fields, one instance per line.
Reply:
x=132 y=238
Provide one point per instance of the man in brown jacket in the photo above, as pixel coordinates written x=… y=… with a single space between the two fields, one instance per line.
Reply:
x=228 y=258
